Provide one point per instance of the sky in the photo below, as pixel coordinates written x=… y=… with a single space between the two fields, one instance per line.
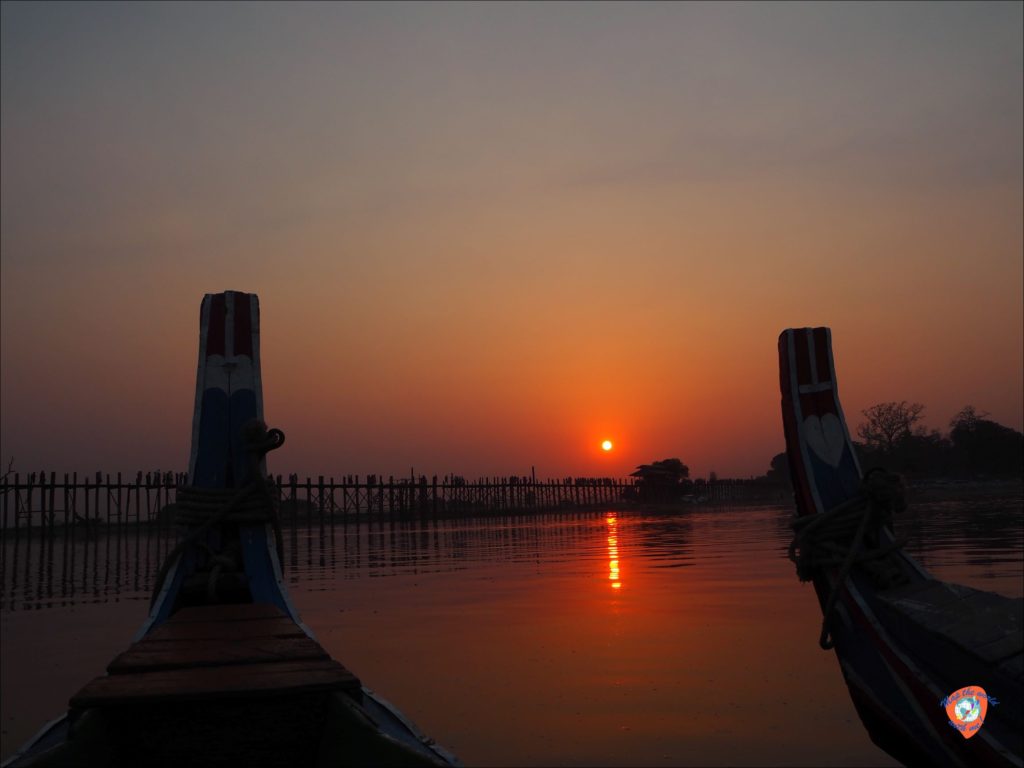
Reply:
x=486 y=237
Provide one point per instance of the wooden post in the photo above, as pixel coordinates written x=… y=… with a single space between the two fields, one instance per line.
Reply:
x=292 y=479
x=138 y=497
x=43 y=532
x=29 y=483
x=120 y=531
x=320 y=506
x=53 y=503
x=331 y=507
x=309 y=507
x=64 y=549
x=6 y=493
x=138 y=522
x=68 y=582
x=106 y=487
x=85 y=549
x=42 y=505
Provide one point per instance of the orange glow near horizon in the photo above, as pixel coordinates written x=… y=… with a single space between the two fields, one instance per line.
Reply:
x=429 y=302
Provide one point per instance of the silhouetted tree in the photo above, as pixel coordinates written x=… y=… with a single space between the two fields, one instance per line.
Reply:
x=975 y=446
x=779 y=472
x=966 y=419
x=923 y=453
x=662 y=481
x=985 y=447
x=888 y=424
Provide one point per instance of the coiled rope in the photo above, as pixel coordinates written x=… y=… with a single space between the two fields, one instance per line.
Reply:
x=201 y=509
x=849 y=535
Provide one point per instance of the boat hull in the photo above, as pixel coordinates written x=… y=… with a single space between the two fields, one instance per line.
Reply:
x=228 y=675
x=898 y=671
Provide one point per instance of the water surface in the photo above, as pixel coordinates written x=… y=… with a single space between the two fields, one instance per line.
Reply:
x=598 y=638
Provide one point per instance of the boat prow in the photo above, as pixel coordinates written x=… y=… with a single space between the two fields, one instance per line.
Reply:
x=223 y=671
x=904 y=641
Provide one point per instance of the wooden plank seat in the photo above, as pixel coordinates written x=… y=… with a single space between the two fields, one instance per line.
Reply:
x=266 y=679
x=984 y=624
x=236 y=612
x=974 y=636
x=152 y=655
x=226 y=622
x=217 y=652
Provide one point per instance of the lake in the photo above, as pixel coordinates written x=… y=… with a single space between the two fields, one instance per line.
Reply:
x=585 y=638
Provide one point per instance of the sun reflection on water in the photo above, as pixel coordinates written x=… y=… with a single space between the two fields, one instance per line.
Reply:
x=613 y=551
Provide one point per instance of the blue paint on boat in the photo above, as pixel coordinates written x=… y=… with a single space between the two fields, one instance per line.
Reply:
x=835 y=485
x=242 y=409
x=213 y=444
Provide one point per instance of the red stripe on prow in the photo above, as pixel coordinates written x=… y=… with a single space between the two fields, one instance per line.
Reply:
x=818 y=403
x=243 y=324
x=797 y=470
x=801 y=356
x=821 y=354
x=215 y=330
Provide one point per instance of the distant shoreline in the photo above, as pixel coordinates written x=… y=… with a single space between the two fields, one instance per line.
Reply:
x=949 y=490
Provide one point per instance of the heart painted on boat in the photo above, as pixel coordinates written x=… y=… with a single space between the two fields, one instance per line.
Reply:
x=966 y=709
x=825 y=437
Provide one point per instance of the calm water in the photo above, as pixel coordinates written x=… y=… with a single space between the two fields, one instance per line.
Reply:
x=617 y=638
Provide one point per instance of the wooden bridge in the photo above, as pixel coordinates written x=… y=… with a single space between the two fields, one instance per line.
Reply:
x=49 y=500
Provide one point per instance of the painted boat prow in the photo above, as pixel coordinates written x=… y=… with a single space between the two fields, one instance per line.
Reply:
x=229 y=394
x=822 y=457
x=897 y=664
x=246 y=651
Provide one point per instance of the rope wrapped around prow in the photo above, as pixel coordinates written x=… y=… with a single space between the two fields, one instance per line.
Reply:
x=848 y=535
x=201 y=509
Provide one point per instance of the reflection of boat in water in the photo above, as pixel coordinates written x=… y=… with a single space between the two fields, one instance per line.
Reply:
x=223 y=672
x=904 y=640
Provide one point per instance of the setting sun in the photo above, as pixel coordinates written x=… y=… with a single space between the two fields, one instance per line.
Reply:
x=606 y=445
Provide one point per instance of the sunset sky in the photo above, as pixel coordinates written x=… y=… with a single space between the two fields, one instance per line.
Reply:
x=487 y=237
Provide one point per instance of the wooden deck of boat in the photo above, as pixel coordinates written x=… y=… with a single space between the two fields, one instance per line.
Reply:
x=214 y=652
x=987 y=626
